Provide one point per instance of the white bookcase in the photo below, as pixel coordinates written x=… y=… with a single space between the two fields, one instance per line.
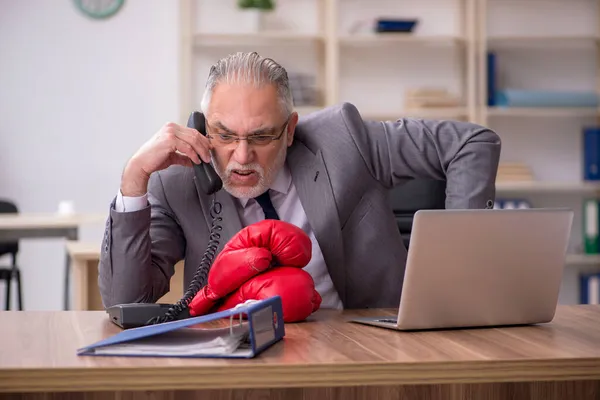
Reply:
x=317 y=37
x=541 y=44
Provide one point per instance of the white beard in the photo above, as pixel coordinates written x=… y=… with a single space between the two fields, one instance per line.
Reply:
x=265 y=178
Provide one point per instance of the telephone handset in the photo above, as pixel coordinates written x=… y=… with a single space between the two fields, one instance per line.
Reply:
x=206 y=175
x=140 y=314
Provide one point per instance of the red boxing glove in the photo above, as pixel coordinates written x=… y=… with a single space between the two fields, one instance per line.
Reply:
x=228 y=272
x=250 y=252
x=295 y=286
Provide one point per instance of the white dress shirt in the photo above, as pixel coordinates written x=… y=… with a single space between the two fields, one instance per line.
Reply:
x=287 y=203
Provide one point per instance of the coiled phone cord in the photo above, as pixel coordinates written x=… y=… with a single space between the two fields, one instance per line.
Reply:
x=201 y=275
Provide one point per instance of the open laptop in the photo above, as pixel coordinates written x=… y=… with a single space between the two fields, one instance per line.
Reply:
x=481 y=268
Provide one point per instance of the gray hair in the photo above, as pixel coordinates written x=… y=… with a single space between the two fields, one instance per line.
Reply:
x=253 y=69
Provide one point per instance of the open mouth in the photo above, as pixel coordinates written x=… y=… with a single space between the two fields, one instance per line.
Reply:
x=243 y=172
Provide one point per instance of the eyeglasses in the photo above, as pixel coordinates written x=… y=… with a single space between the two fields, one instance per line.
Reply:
x=255 y=140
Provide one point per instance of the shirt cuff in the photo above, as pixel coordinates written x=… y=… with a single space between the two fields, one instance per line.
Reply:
x=130 y=204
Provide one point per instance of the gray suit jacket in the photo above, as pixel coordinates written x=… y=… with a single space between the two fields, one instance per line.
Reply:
x=342 y=167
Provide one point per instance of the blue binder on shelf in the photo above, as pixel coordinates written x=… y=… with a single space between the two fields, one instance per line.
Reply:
x=589 y=288
x=591 y=153
x=245 y=332
x=491 y=79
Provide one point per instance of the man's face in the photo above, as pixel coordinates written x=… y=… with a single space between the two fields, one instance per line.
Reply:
x=248 y=167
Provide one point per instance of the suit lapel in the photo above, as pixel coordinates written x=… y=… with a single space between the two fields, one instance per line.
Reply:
x=313 y=185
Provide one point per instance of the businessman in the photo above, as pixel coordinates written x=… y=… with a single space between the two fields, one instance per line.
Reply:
x=328 y=173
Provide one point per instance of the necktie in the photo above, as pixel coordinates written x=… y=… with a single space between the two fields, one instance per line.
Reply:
x=265 y=202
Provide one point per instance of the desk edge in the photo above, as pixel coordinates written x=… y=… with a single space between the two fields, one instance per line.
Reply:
x=246 y=376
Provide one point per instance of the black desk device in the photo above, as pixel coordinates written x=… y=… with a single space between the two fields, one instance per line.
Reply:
x=135 y=315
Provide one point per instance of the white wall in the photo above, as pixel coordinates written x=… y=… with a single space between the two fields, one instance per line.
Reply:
x=100 y=88
x=77 y=97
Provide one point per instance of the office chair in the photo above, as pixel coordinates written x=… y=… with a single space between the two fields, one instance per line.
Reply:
x=418 y=194
x=12 y=248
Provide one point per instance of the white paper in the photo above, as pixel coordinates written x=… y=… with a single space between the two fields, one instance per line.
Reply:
x=183 y=342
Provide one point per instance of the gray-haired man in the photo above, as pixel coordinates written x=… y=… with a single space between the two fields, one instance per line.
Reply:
x=328 y=174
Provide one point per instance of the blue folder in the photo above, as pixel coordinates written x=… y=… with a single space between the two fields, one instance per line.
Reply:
x=545 y=98
x=250 y=328
x=591 y=153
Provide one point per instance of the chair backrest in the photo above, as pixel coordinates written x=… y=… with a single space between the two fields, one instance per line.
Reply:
x=418 y=194
x=7 y=206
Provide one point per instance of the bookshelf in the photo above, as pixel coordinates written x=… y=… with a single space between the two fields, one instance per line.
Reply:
x=583 y=259
x=555 y=49
x=548 y=187
x=331 y=42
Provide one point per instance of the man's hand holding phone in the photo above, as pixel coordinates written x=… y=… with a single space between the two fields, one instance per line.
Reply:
x=172 y=144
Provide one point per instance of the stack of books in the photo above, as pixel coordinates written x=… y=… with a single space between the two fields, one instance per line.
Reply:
x=514 y=172
x=430 y=98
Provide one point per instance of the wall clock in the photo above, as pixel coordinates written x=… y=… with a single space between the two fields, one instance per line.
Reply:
x=99 y=9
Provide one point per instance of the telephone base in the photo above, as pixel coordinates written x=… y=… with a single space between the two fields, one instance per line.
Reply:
x=135 y=315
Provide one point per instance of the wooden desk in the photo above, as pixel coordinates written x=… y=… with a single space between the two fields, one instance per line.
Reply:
x=16 y=226
x=85 y=257
x=325 y=357
x=43 y=225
